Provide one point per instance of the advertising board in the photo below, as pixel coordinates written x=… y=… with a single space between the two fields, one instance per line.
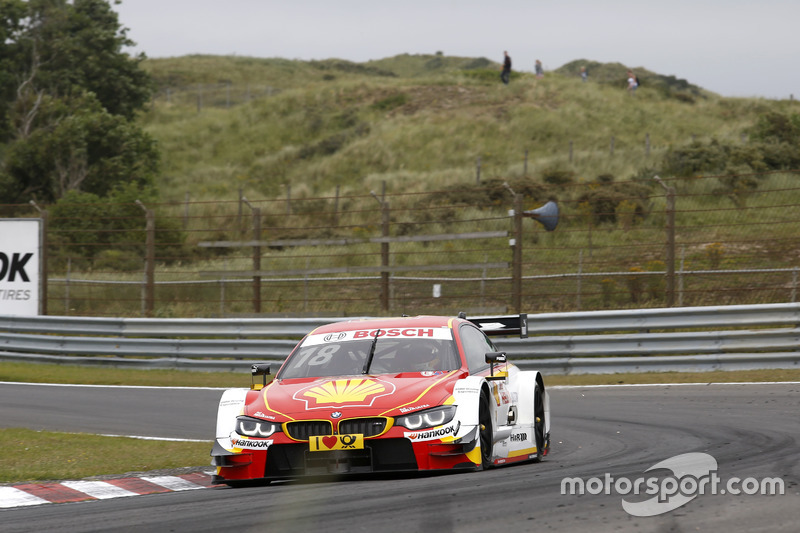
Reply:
x=20 y=254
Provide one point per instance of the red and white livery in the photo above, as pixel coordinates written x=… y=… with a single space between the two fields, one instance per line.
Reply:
x=386 y=395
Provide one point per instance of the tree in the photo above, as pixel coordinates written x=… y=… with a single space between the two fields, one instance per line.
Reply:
x=69 y=95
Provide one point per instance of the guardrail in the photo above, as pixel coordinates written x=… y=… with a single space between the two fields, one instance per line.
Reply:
x=687 y=338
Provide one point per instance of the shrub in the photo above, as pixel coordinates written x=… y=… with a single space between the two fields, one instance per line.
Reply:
x=558 y=176
x=391 y=102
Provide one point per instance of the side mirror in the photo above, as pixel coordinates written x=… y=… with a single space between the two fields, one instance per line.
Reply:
x=259 y=369
x=493 y=358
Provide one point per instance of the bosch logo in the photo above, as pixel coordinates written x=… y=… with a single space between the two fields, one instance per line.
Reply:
x=334 y=337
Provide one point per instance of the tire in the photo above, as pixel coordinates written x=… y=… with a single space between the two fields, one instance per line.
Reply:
x=486 y=431
x=538 y=422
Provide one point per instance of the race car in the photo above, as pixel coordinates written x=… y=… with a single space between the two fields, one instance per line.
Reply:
x=385 y=395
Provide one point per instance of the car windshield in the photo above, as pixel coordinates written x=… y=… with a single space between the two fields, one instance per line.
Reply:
x=348 y=356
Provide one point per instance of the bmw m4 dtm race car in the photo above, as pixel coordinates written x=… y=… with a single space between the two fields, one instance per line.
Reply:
x=385 y=395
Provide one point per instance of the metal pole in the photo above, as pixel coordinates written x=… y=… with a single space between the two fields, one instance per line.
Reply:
x=43 y=259
x=240 y=218
x=525 y=171
x=256 y=255
x=150 y=259
x=580 y=279
x=186 y=210
x=516 y=262
x=257 y=260
x=336 y=208
x=66 y=286
x=385 y=257
x=680 y=276
x=670 y=252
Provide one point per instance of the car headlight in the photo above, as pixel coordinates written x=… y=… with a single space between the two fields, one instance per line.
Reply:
x=428 y=418
x=253 y=427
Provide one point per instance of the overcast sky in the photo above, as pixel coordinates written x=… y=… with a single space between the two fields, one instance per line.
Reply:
x=731 y=47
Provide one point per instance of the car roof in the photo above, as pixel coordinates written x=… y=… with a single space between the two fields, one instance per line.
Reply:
x=390 y=322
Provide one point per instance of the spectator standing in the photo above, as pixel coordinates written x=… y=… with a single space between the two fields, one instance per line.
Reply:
x=633 y=83
x=539 y=69
x=584 y=74
x=505 y=75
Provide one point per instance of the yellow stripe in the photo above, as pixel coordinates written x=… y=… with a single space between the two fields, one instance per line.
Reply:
x=266 y=403
x=415 y=400
x=526 y=451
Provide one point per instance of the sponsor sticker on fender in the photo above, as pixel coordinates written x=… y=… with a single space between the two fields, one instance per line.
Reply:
x=403 y=333
x=324 y=443
x=433 y=434
x=247 y=444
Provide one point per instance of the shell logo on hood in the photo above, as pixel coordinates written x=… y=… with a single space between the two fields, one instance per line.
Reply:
x=350 y=392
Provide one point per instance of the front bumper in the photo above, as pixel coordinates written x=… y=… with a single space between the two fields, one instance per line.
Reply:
x=379 y=455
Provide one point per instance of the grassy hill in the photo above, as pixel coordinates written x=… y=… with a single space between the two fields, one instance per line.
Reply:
x=416 y=122
x=337 y=130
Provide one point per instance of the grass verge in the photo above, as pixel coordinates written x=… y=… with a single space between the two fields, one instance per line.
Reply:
x=50 y=373
x=30 y=455
x=87 y=375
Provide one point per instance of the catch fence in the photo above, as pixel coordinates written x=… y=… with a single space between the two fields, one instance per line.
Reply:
x=644 y=243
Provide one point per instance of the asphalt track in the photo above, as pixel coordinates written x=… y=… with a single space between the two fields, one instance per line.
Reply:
x=752 y=430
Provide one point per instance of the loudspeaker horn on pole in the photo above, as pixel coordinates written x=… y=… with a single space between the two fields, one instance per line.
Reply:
x=547 y=215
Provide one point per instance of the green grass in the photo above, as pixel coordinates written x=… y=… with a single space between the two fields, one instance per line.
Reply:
x=330 y=124
x=46 y=455
x=75 y=374
x=88 y=375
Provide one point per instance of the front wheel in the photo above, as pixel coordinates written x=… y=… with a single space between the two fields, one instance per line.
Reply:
x=486 y=431
x=539 y=422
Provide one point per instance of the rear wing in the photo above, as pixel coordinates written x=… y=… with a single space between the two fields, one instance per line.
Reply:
x=501 y=325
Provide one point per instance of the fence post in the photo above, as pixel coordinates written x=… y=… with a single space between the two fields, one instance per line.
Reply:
x=680 y=276
x=150 y=259
x=670 y=252
x=186 y=211
x=66 y=286
x=580 y=279
x=42 y=259
x=240 y=219
x=525 y=171
x=478 y=170
x=612 y=146
x=516 y=262
x=570 y=151
x=336 y=208
x=257 y=260
x=385 y=256
x=256 y=255
x=647 y=144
